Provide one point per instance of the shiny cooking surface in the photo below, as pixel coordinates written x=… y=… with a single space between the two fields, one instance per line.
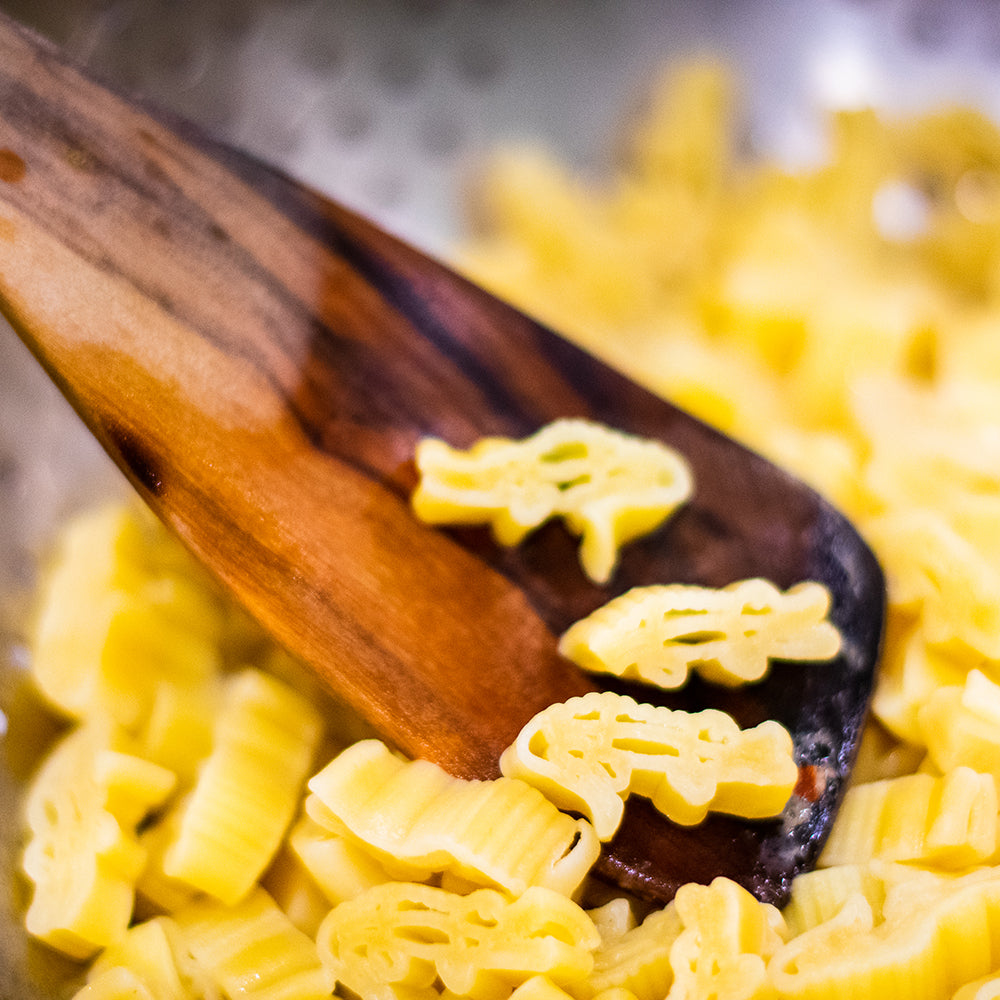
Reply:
x=389 y=106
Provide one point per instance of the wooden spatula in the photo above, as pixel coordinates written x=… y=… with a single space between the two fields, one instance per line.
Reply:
x=261 y=363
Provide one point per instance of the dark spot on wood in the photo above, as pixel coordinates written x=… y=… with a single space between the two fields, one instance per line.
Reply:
x=12 y=167
x=136 y=456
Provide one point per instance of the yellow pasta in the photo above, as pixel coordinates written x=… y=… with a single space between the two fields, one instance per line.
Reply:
x=589 y=753
x=949 y=822
x=637 y=961
x=147 y=951
x=296 y=891
x=399 y=940
x=416 y=819
x=818 y=896
x=727 y=940
x=609 y=487
x=252 y=950
x=934 y=935
x=116 y=617
x=613 y=918
x=658 y=634
x=779 y=307
x=959 y=725
x=83 y=857
x=540 y=988
x=987 y=988
x=232 y=822
x=177 y=732
x=119 y=983
x=341 y=867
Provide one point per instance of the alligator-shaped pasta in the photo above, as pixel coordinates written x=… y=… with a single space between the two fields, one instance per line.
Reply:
x=658 y=634
x=589 y=753
x=397 y=941
x=609 y=487
x=415 y=819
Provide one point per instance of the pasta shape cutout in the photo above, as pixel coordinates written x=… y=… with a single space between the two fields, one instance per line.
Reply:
x=589 y=753
x=609 y=487
x=398 y=940
x=83 y=856
x=727 y=941
x=659 y=634
x=416 y=819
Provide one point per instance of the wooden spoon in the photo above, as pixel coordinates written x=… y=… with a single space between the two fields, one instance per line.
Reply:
x=261 y=363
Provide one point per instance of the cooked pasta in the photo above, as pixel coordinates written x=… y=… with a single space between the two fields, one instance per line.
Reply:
x=637 y=961
x=658 y=634
x=949 y=822
x=416 y=819
x=82 y=856
x=230 y=826
x=252 y=950
x=609 y=487
x=726 y=942
x=774 y=305
x=399 y=939
x=589 y=753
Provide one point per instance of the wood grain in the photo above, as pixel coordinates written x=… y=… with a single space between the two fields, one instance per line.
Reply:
x=261 y=363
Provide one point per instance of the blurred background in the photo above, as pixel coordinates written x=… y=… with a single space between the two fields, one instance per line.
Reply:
x=389 y=104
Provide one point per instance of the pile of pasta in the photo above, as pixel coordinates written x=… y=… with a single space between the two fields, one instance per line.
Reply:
x=186 y=837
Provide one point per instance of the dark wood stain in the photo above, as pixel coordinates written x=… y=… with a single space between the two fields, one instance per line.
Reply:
x=12 y=167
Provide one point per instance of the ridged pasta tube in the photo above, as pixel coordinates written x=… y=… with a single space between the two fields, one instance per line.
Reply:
x=253 y=950
x=590 y=753
x=948 y=821
x=416 y=819
x=934 y=934
x=609 y=487
x=119 y=612
x=396 y=941
x=960 y=725
x=147 y=951
x=660 y=633
x=82 y=856
x=234 y=819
